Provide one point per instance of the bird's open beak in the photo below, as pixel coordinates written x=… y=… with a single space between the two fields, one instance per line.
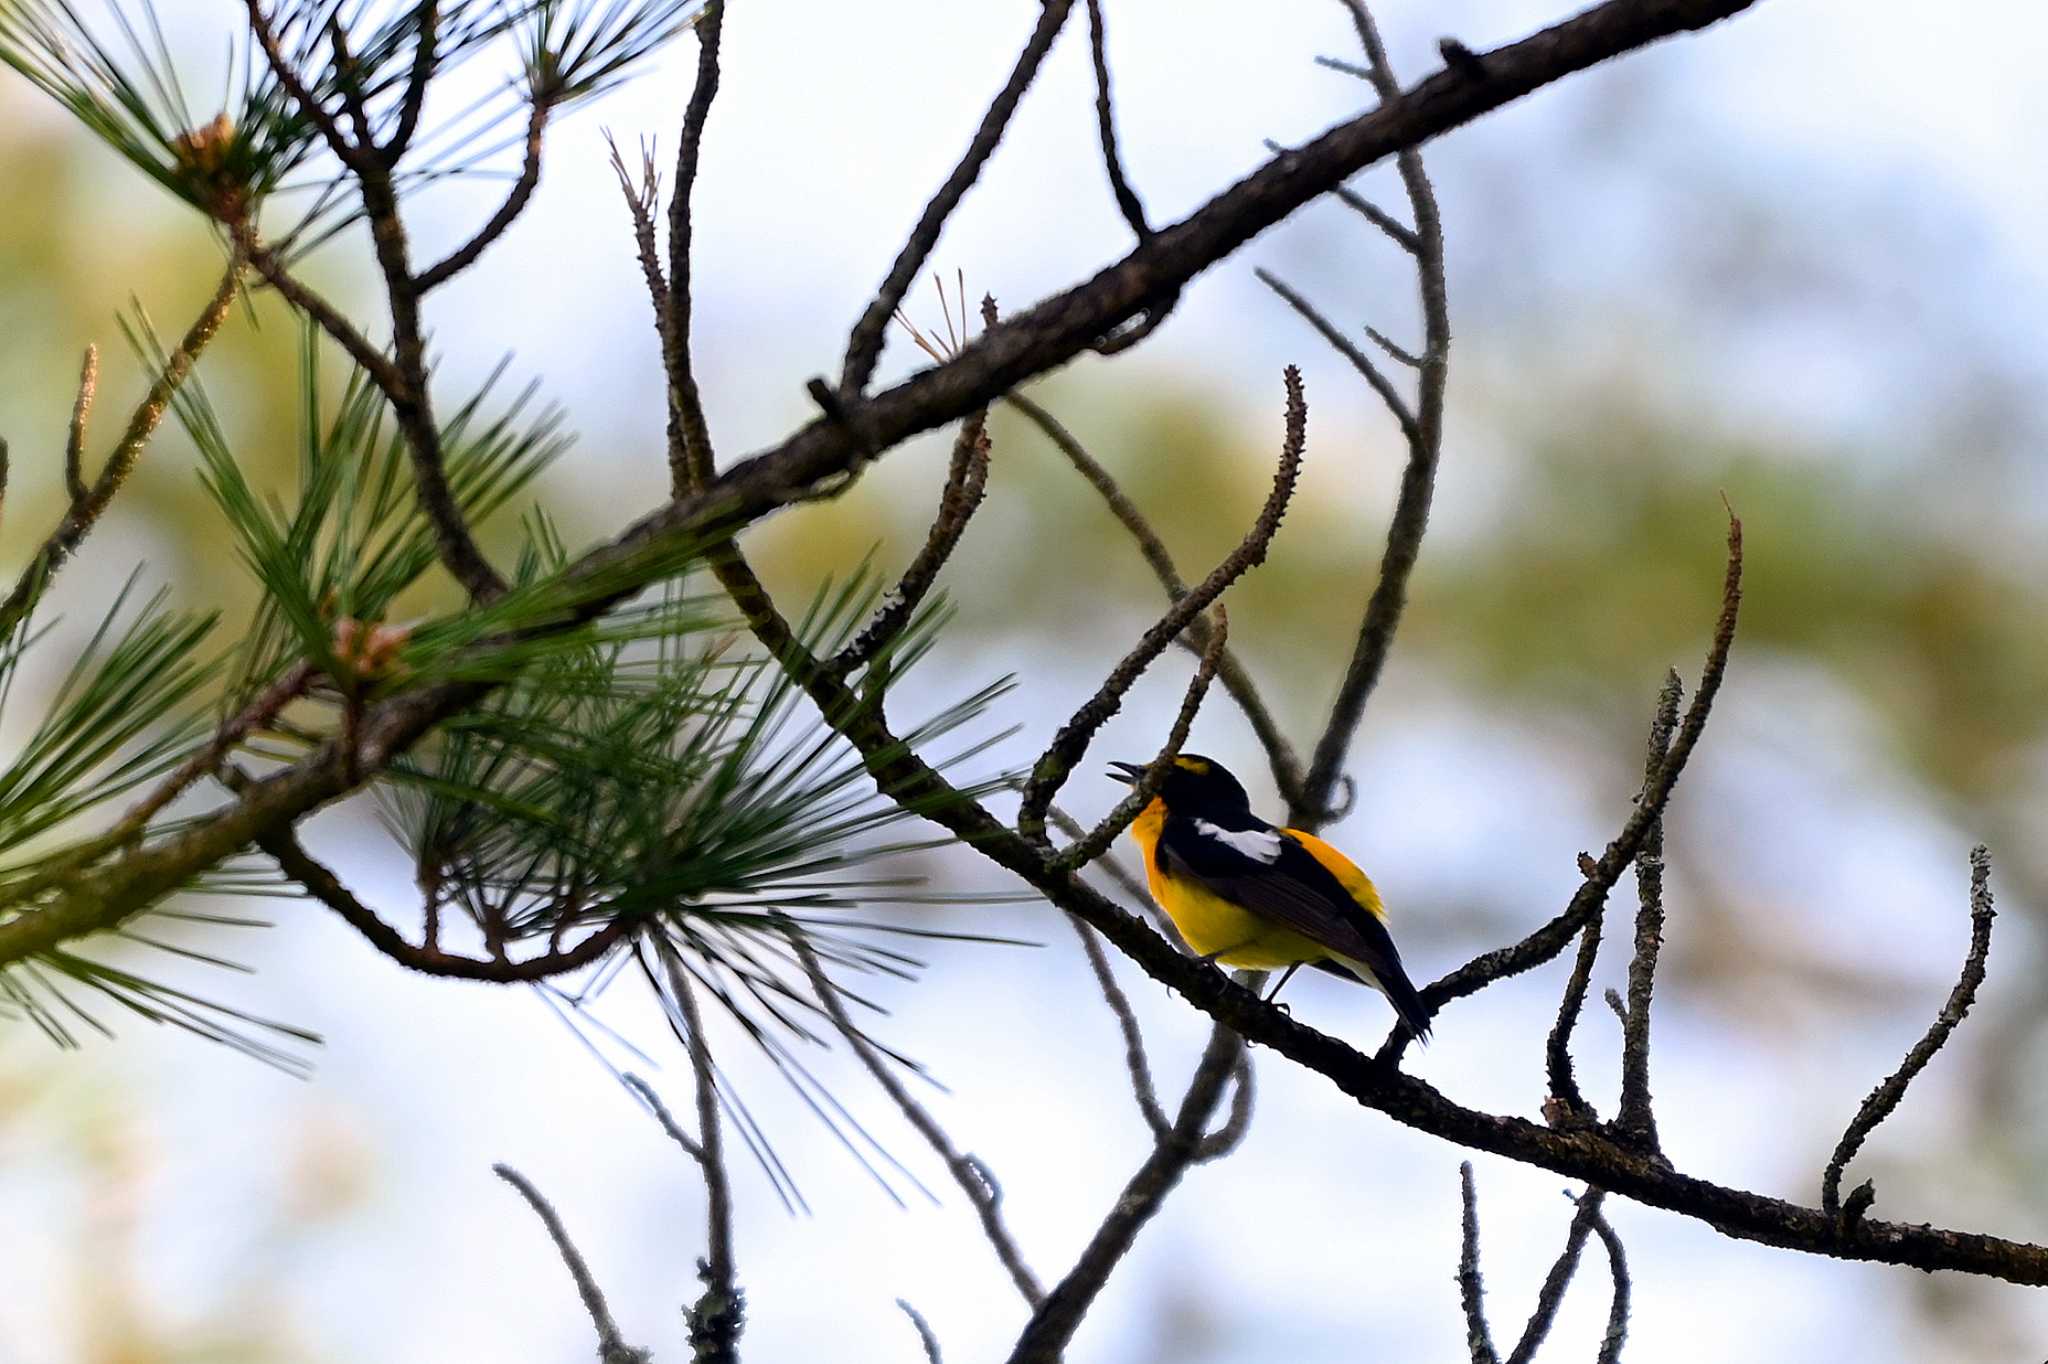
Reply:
x=1127 y=773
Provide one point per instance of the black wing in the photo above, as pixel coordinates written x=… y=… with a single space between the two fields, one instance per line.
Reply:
x=1295 y=891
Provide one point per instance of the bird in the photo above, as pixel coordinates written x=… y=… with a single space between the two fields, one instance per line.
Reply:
x=1243 y=892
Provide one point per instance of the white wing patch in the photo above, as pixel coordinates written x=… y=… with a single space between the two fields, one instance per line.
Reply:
x=1261 y=845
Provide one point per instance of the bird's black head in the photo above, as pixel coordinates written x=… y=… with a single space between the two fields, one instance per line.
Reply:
x=1194 y=785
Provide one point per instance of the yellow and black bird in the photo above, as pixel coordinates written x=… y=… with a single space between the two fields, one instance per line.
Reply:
x=1245 y=893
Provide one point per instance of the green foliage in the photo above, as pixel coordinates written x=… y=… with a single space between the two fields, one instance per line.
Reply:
x=660 y=779
x=121 y=717
x=127 y=91
x=355 y=538
x=578 y=49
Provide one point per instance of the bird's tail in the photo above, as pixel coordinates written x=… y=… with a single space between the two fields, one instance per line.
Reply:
x=1407 y=1001
x=1391 y=980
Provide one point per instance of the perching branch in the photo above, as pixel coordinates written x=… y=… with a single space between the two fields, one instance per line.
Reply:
x=1878 y=1105
x=1072 y=740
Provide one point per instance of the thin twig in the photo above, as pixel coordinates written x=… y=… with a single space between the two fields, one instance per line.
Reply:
x=515 y=202
x=320 y=882
x=1471 y=1290
x=691 y=1147
x=1546 y=942
x=966 y=484
x=260 y=711
x=1389 y=395
x=1073 y=738
x=1425 y=433
x=1127 y=201
x=864 y=345
x=426 y=30
x=719 y=1314
x=1097 y=840
x=325 y=315
x=1880 y=1102
x=1616 y=1334
x=967 y=1171
x=1237 y=681
x=81 y=410
x=1634 y=1119
x=689 y=442
x=84 y=512
x=1565 y=1100
x=924 y=1332
x=611 y=1347
x=1551 y=1295
x=1135 y=1060
x=1569 y=1103
x=1046 y=1336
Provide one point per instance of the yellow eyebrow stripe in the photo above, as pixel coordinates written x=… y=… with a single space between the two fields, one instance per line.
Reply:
x=1344 y=869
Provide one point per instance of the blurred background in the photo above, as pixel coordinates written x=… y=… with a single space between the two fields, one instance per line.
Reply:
x=1796 y=260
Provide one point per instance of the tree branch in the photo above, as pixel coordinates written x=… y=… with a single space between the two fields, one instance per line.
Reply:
x=1633 y=1119
x=1127 y=201
x=514 y=204
x=1096 y=841
x=719 y=1314
x=689 y=440
x=1471 y=1290
x=968 y=1172
x=1072 y=740
x=90 y=502
x=1235 y=678
x=1052 y=1325
x=611 y=1347
x=1880 y=1102
x=864 y=346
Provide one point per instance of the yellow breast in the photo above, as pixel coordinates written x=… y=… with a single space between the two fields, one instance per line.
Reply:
x=1210 y=925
